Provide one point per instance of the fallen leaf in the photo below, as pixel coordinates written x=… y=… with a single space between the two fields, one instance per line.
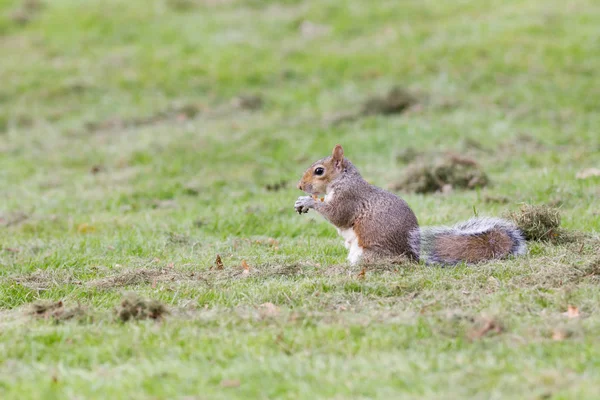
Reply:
x=490 y=325
x=362 y=273
x=154 y=283
x=588 y=173
x=219 y=263
x=246 y=267
x=572 y=312
x=12 y=250
x=230 y=383
x=170 y=265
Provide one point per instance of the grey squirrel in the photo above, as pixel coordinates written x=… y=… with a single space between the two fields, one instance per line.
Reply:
x=378 y=225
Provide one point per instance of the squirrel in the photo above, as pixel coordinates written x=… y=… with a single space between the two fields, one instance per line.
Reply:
x=378 y=225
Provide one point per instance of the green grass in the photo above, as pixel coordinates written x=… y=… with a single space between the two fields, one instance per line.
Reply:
x=127 y=165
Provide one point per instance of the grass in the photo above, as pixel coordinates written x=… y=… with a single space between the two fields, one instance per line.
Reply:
x=130 y=156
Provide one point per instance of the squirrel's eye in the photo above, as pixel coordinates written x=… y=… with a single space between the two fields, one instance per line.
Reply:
x=319 y=171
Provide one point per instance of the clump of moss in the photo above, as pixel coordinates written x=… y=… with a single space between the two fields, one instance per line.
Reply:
x=452 y=172
x=134 y=308
x=57 y=311
x=537 y=222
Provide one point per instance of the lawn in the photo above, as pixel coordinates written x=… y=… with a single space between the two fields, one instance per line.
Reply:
x=140 y=139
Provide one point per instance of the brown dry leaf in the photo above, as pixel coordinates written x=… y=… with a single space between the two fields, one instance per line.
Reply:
x=588 y=173
x=12 y=250
x=154 y=283
x=490 y=325
x=362 y=273
x=219 y=263
x=85 y=228
x=246 y=267
x=572 y=312
x=230 y=383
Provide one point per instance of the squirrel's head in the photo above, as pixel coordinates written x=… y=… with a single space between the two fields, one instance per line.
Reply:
x=321 y=173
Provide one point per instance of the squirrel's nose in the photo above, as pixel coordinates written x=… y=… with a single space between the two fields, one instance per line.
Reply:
x=299 y=185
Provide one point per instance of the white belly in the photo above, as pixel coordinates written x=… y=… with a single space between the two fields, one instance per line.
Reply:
x=351 y=242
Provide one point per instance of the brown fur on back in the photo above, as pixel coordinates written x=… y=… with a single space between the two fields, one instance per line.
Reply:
x=383 y=229
x=474 y=248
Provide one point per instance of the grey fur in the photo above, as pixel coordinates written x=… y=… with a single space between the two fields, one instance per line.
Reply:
x=386 y=225
x=423 y=240
x=387 y=218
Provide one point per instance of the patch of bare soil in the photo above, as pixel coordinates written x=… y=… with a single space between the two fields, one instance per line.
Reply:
x=175 y=113
x=442 y=175
x=41 y=280
x=180 y=113
x=277 y=186
x=397 y=100
x=557 y=272
x=57 y=311
x=26 y=11
x=14 y=218
x=141 y=276
x=135 y=308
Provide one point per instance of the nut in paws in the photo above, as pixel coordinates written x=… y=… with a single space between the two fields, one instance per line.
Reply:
x=303 y=204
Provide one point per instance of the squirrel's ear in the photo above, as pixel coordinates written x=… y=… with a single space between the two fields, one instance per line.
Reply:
x=338 y=153
x=338 y=156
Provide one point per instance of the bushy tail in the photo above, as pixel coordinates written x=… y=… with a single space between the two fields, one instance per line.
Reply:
x=472 y=241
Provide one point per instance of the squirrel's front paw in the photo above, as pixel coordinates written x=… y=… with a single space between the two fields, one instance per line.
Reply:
x=303 y=204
